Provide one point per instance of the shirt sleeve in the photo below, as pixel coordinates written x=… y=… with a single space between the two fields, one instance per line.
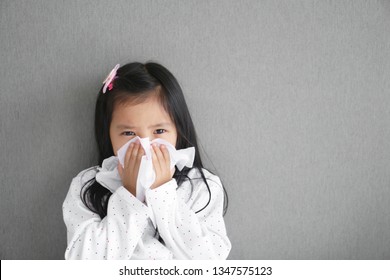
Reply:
x=113 y=237
x=190 y=235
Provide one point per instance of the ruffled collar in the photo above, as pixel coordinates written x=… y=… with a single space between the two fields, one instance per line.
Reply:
x=108 y=175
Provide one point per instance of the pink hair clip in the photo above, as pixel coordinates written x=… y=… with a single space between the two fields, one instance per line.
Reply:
x=110 y=78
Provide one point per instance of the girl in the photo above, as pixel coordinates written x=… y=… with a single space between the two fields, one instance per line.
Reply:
x=182 y=215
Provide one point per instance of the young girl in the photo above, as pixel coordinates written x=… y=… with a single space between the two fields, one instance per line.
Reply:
x=182 y=215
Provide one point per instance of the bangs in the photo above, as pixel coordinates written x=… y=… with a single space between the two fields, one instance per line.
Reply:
x=123 y=98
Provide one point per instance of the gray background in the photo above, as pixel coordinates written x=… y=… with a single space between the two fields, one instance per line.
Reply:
x=291 y=101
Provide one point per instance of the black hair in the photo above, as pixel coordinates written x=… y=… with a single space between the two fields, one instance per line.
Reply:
x=134 y=82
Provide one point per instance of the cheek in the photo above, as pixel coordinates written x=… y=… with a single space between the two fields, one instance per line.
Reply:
x=115 y=142
x=116 y=146
x=173 y=139
x=115 y=149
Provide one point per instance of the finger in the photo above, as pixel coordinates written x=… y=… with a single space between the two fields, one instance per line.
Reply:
x=141 y=151
x=133 y=157
x=165 y=153
x=138 y=160
x=164 y=160
x=128 y=155
x=159 y=154
x=156 y=162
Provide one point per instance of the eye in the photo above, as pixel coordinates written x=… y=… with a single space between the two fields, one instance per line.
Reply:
x=160 y=131
x=128 y=133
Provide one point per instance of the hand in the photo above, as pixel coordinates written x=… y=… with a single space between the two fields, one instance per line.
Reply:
x=132 y=162
x=161 y=165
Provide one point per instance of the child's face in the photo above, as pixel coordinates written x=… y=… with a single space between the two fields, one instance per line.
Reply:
x=147 y=119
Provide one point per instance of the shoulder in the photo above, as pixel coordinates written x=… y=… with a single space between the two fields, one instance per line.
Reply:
x=211 y=178
x=73 y=206
x=81 y=179
x=214 y=184
x=198 y=195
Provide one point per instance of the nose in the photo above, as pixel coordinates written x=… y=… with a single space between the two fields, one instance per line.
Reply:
x=151 y=136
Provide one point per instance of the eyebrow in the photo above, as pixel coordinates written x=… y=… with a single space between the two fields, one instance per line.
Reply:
x=124 y=126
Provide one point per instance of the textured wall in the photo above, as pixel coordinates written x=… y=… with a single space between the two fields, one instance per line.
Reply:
x=291 y=100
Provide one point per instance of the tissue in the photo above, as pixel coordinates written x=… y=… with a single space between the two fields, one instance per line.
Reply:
x=146 y=174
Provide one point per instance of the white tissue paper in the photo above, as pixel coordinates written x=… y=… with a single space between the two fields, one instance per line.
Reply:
x=146 y=174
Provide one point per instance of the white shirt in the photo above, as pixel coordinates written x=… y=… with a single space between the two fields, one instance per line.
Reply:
x=128 y=231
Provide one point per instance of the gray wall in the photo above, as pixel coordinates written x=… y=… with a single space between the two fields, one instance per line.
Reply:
x=291 y=100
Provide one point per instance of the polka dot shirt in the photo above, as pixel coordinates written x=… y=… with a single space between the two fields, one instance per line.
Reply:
x=129 y=229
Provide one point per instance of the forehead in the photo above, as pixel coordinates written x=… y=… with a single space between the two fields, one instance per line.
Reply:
x=147 y=112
